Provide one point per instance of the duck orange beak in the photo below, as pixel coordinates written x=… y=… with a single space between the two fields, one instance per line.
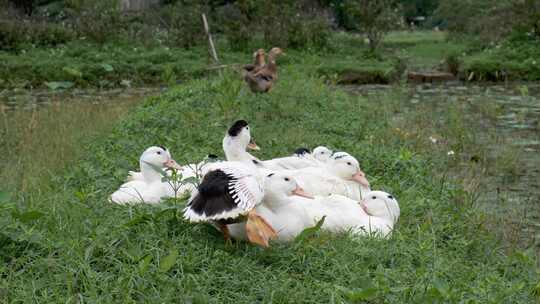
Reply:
x=252 y=145
x=363 y=205
x=360 y=177
x=300 y=192
x=172 y=164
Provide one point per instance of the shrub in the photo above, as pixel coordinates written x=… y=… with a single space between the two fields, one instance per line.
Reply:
x=15 y=33
x=98 y=21
x=237 y=26
x=374 y=18
x=183 y=23
x=453 y=62
x=294 y=24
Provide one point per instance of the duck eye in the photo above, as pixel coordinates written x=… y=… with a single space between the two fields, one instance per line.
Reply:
x=158 y=152
x=349 y=163
x=286 y=179
x=390 y=197
x=374 y=197
x=247 y=128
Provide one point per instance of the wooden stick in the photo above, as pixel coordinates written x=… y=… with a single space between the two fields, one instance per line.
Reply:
x=223 y=66
x=207 y=30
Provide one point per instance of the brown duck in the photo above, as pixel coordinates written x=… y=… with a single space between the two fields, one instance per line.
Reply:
x=258 y=62
x=261 y=80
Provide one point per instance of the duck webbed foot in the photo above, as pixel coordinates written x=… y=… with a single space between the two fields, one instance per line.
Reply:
x=258 y=230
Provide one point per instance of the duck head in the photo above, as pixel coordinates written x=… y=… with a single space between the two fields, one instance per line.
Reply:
x=381 y=204
x=237 y=140
x=259 y=57
x=153 y=160
x=274 y=53
x=345 y=166
x=279 y=186
x=322 y=153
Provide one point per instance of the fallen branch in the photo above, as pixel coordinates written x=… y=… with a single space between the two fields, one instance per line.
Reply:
x=223 y=66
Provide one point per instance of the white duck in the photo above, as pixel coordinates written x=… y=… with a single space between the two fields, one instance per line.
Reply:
x=284 y=206
x=238 y=139
x=236 y=142
x=301 y=159
x=149 y=188
x=340 y=175
x=290 y=214
x=230 y=190
x=322 y=154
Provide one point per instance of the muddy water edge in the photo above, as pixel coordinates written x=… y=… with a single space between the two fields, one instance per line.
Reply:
x=484 y=137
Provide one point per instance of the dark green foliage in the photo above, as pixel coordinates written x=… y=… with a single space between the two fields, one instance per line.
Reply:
x=15 y=34
x=374 y=18
x=511 y=60
x=453 y=63
x=183 y=23
x=491 y=20
x=415 y=8
x=287 y=24
x=238 y=25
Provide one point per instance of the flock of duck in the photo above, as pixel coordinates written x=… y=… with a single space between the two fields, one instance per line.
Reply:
x=261 y=200
x=260 y=75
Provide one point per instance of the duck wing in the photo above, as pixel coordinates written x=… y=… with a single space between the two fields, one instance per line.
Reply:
x=227 y=191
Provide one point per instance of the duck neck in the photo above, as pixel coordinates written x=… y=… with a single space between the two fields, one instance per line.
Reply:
x=235 y=150
x=149 y=172
x=331 y=170
x=275 y=201
x=271 y=66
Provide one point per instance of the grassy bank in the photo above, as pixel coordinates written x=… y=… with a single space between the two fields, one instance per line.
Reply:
x=84 y=64
x=506 y=61
x=345 y=60
x=71 y=245
x=38 y=143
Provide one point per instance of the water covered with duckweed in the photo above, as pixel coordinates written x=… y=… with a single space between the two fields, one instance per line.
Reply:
x=489 y=135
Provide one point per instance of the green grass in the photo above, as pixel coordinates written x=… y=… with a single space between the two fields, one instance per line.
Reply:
x=415 y=37
x=38 y=143
x=86 y=64
x=71 y=245
x=517 y=61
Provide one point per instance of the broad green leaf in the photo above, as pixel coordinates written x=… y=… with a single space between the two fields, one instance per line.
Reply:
x=308 y=232
x=167 y=262
x=192 y=180
x=138 y=220
x=4 y=197
x=144 y=263
x=107 y=67
x=125 y=83
x=164 y=212
x=27 y=217
x=73 y=72
x=55 y=85
x=362 y=295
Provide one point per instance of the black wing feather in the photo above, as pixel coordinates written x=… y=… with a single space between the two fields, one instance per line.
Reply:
x=213 y=197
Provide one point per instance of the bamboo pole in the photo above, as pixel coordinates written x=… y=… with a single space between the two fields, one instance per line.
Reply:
x=210 y=41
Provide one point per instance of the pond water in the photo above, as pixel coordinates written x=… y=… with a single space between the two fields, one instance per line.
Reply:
x=501 y=120
x=26 y=100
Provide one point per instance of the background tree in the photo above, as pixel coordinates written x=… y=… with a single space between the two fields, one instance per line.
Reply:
x=374 y=18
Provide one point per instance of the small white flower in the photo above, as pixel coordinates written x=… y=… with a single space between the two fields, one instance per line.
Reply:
x=433 y=139
x=450 y=153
